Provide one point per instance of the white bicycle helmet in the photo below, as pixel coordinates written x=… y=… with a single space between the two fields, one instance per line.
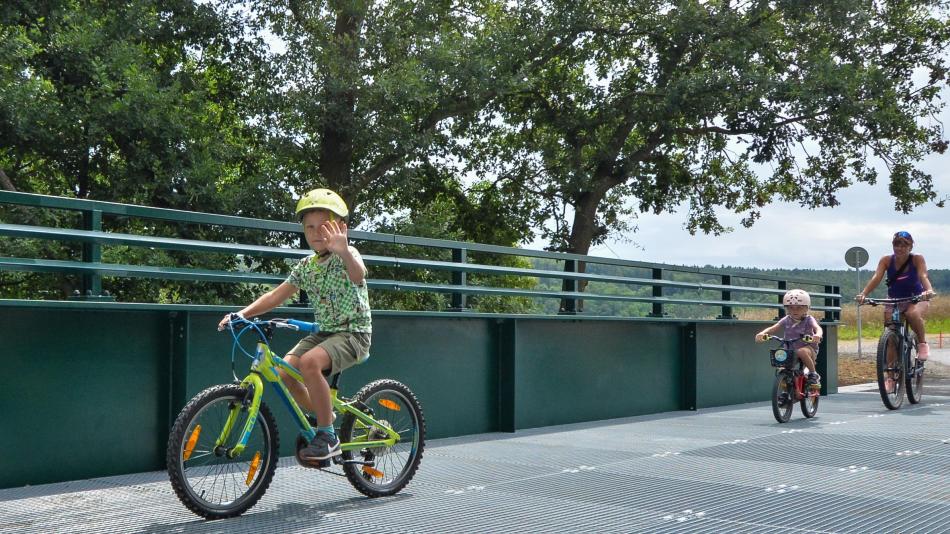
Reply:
x=796 y=297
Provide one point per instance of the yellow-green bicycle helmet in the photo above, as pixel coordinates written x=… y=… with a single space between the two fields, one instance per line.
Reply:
x=323 y=199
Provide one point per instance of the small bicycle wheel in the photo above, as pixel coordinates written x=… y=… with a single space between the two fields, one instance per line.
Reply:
x=889 y=345
x=809 y=402
x=783 y=391
x=204 y=476
x=915 y=371
x=381 y=471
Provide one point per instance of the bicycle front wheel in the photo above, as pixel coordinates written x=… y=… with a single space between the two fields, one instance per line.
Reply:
x=206 y=478
x=915 y=371
x=809 y=403
x=888 y=350
x=783 y=392
x=382 y=471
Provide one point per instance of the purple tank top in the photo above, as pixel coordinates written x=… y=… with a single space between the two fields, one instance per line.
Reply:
x=807 y=326
x=906 y=284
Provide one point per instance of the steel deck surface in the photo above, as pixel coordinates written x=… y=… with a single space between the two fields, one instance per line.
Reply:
x=856 y=467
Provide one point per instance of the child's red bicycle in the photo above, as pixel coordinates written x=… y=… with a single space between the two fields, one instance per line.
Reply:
x=789 y=385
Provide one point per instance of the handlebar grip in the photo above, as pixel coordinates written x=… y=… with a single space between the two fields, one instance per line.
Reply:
x=313 y=328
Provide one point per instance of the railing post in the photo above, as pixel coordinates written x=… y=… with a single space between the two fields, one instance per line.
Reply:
x=830 y=315
x=459 y=278
x=727 y=296
x=783 y=285
x=91 y=284
x=657 y=292
x=569 y=304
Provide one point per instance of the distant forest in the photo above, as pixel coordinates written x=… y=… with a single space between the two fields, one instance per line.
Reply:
x=846 y=280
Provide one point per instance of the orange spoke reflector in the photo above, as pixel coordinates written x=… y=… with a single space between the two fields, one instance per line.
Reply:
x=390 y=404
x=255 y=464
x=375 y=473
x=192 y=440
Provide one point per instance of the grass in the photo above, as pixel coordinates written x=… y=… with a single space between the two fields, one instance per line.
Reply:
x=872 y=320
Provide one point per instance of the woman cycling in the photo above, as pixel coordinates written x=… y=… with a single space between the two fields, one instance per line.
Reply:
x=906 y=277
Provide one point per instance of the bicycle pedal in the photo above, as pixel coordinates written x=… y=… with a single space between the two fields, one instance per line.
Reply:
x=315 y=464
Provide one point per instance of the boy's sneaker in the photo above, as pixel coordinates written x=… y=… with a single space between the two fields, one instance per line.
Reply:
x=923 y=351
x=325 y=445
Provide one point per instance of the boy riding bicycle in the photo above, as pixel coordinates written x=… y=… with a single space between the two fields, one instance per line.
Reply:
x=335 y=280
x=797 y=323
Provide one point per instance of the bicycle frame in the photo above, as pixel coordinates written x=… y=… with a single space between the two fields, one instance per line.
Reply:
x=900 y=326
x=264 y=370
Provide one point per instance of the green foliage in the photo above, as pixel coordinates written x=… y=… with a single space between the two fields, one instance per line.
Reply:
x=658 y=105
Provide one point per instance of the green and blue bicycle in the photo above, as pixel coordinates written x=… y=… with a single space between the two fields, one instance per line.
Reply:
x=223 y=447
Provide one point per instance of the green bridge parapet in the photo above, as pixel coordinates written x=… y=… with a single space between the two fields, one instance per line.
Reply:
x=95 y=384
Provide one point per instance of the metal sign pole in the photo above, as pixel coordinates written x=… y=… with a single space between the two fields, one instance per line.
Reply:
x=858 y=311
x=856 y=257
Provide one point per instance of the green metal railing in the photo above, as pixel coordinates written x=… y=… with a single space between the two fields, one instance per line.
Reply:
x=92 y=269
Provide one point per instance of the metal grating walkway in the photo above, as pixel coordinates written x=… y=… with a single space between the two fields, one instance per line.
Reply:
x=855 y=468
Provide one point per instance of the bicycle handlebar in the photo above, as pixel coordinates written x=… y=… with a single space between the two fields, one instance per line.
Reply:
x=313 y=328
x=875 y=302
x=293 y=324
x=806 y=338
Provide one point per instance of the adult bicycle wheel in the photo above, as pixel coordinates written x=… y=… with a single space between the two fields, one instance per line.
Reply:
x=809 y=403
x=382 y=471
x=915 y=370
x=783 y=391
x=888 y=349
x=205 y=478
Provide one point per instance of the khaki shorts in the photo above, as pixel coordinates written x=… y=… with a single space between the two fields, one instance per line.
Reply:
x=346 y=349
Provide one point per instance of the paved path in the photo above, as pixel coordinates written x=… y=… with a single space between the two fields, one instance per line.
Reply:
x=857 y=467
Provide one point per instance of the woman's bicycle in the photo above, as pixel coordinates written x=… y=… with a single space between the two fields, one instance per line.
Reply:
x=223 y=448
x=897 y=357
x=789 y=386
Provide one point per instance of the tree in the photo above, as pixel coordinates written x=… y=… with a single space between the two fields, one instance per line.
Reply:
x=720 y=103
x=366 y=93
x=139 y=102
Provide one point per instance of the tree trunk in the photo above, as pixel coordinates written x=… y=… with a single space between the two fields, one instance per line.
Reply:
x=5 y=183
x=336 y=144
x=582 y=235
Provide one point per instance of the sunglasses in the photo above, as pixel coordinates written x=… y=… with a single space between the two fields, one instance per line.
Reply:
x=903 y=235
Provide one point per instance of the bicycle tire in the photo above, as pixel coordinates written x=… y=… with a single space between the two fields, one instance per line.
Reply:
x=201 y=474
x=782 y=392
x=809 y=404
x=914 y=376
x=397 y=464
x=893 y=400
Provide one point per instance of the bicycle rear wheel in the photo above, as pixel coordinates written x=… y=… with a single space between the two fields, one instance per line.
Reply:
x=915 y=372
x=384 y=470
x=889 y=344
x=207 y=481
x=783 y=391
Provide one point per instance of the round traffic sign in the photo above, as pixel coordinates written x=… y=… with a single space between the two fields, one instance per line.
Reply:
x=856 y=257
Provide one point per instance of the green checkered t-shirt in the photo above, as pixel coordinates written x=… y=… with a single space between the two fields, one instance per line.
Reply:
x=339 y=305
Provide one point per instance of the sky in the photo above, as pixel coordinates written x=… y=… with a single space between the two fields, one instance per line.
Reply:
x=789 y=236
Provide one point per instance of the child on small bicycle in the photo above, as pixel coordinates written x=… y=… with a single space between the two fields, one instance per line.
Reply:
x=334 y=277
x=798 y=323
